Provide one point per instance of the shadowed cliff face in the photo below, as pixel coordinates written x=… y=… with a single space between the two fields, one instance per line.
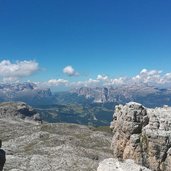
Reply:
x=31 y=146
x=143 y=135
x=18 y=110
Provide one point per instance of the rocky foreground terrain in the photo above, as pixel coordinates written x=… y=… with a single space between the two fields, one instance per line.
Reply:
x=141 y=141
x=113 y=164
x=18 y=111
x=32 y=146
x=143 y=135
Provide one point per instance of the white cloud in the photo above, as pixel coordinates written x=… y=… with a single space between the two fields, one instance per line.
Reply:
x=102 y=77
x=143 y=71
x=13 y=71
x=118 y=81
x=57 y=82
x=106 y=81
x=70 y=71
x=151 y=77
x=87 y=83
x=148 y=76
x=166 y=78
x=92 y=81
x=10 y=79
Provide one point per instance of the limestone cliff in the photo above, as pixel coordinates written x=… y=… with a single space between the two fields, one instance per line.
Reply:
x=143 y=135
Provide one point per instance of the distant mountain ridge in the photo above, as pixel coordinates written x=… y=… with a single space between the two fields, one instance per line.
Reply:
x=32 y=94
x=150 y=96
x=85 y=105
x=26 y=92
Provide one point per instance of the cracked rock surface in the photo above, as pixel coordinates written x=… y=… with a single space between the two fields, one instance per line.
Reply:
x=32 y=146
x=143 y=135
x=112 y=164
x=51 y=147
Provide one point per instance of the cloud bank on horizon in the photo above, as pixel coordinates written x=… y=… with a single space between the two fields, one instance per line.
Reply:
x=11 y=72
x=14 y=71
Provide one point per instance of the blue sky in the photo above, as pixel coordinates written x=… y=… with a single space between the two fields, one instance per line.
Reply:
x=116 y=38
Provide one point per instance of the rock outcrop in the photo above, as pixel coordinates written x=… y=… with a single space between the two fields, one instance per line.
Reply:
x=143 y=135
x=112 y=164
x=18 y=110
x=53 y=147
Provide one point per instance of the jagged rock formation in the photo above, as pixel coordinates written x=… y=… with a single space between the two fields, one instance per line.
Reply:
x=34 y=94
x=145 y=94
x=112 y=164
x=31 y=146
x=18 y=110
x=98 y=94
x=27 y=92
x=143 y=135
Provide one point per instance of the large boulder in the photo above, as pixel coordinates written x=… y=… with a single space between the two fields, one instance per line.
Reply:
x=143 y=135
x=112 y=164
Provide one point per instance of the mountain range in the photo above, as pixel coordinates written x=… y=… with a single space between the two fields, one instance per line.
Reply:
x=84 y=105
x=26 y=92
x=32 y=94
x=150 y=96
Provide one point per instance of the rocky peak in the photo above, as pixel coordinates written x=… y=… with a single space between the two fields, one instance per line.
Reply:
x=133 y=117
x=150 y=96
x=143 y=135
x=18 y=110
x=99 y=94
x=18 y=86
x=27 y=92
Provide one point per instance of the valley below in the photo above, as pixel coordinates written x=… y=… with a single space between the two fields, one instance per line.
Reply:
x=84 y=105
x=88 y=129
x=92 y=115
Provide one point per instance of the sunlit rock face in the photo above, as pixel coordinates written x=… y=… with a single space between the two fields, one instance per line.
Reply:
x=143 y=135
x=150 y=96
x=112 y=164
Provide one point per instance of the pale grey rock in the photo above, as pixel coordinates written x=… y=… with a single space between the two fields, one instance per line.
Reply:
x=148 y=95
x=18 y=110
x=112 y=164
x=143 y=135
x=27 y=92
x=52 y=147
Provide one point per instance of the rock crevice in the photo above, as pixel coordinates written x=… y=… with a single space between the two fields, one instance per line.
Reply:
x=143 y=135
